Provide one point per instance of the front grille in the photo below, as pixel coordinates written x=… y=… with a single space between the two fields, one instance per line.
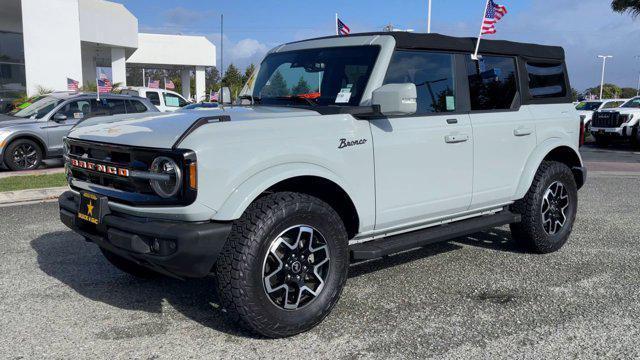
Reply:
x=608 y=119
x=123 y=160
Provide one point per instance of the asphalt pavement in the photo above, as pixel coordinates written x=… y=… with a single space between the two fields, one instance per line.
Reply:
x=476 y=297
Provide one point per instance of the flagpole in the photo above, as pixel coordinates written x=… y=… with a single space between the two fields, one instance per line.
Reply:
x=337 y=28
x=484 y=15
x=143 y=77
x=97 y=90
x=429 y=19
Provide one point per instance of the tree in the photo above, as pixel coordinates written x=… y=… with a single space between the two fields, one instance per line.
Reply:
x=575 y=95
x=301 y=88
x=233 y=79
x=628 y=6
x=611 y=91
x=277 y=86
x=247 y=73
x=212 y=79
x=628 y=93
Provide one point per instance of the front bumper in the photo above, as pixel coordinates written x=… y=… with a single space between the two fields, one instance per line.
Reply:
x=175 y=248
x=609 y=132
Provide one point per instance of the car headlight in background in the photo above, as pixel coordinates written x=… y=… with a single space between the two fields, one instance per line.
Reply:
x=171 y=175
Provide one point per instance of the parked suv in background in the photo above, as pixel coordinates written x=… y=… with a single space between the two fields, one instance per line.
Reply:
x=393 y=141
x=617 y=124
x=586 y=109
x=164 y=100
x=35 y=133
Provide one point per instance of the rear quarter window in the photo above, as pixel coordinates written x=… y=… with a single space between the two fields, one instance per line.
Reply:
x=546 y=80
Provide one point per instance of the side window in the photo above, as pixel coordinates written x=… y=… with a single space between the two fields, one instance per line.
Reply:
x=135 y=106
x=546 y=80
x=77 y=110
x=154 y=97
x=492 y=82
x=182 y=102
x=433 y=75
x=115 y=107
x=171 y=100
x=612 y=104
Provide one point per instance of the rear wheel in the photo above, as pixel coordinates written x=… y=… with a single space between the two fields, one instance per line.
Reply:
x=548 y=210
x=601 y=141
x=23 y=154
x=284 y=265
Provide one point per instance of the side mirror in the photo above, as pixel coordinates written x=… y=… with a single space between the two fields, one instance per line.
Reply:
x=396 y=99
x=225 y=93
x=59 y=117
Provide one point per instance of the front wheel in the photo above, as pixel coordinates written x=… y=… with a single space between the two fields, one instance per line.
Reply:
x=284 y=265
x=23 y=154
x=548 y=210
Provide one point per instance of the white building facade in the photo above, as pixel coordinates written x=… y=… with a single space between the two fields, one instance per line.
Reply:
x=44 y=42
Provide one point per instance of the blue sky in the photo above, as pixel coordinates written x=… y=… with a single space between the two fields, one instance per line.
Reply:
x=584 y=28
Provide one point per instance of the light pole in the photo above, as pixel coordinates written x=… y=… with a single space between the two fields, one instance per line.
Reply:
x=604 y=65
x=429 y=18
x=638 y=89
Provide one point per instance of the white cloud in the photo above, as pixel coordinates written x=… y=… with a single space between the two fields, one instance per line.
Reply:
x=248 y=48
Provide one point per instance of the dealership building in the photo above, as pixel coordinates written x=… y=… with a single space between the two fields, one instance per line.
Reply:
x=44 y=42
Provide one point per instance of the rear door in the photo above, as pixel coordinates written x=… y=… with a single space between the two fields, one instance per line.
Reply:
x=504 y=132
x=423 y=162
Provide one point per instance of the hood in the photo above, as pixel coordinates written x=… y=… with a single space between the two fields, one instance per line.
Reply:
x=164 y=129
x=587 y=113
x=623 y=110
x=9 y=121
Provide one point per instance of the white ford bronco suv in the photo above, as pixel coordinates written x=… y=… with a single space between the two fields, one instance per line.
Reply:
x=349 y=149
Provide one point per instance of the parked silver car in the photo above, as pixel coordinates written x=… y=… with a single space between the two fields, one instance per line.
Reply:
x=36 y=132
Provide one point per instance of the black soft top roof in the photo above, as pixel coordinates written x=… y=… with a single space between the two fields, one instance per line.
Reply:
x=410 y=40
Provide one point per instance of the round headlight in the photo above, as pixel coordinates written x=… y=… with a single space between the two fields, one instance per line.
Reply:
x=170 y=185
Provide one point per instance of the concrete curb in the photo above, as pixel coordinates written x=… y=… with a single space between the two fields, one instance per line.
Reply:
x=11 y=198
x=8 y=174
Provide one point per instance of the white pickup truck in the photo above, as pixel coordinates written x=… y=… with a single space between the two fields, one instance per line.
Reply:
x=617 y=124
x=164 y=100
x=349 y=149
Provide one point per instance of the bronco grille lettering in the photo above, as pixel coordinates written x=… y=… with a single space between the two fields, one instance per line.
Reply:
x=101 y=168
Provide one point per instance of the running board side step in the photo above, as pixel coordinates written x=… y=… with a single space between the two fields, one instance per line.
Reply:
x=394 y=244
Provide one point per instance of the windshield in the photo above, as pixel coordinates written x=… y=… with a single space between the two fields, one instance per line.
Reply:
x=39 y=109
x=328 y=76
x=633 y=103
x=589 y=106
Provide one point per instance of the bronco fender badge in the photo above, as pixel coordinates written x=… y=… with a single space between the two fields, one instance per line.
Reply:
x=344 y=143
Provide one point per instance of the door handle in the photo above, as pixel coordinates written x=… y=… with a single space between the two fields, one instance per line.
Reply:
x=452 y=121
x=456 y=138
x=522 y=131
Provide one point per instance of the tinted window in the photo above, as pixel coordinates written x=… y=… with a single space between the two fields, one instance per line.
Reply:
x=154 y=97
x=492 y=82
x=588 y=106
x=134 y=106
x=546 y=80
x=115 y=107
x=432 y=73
x=76 y=109
x=612 y=104
x=633 y=103
x=12 y=72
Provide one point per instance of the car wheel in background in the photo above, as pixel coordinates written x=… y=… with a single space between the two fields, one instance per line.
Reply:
x=548 y=210
x=23 y=154
x=284 y=265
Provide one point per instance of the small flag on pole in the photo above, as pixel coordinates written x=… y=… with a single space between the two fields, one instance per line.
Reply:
x=72 y=85
x=343 y=29
x=104 y=86
x=168 y=84
x=493 y=14
x=155 y=84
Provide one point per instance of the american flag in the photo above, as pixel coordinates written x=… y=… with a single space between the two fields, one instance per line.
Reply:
x=213 y=96
x=155 y=84
x=343 y=29
x=168 y=84
x=104 y=86
x=493 y=14
x=72 y=85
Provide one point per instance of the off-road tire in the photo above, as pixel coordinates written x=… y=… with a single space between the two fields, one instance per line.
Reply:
x=530 y=232
x=9 y=159
x=239 y=268
x=128 y=266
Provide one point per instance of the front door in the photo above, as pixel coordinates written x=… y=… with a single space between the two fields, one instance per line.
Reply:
x=73 y=111
x=424 y=162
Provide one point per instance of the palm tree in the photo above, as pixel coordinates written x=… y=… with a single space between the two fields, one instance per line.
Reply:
x=630 y=6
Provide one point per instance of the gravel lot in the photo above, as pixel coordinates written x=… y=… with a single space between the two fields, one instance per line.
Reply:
x=478 y=297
